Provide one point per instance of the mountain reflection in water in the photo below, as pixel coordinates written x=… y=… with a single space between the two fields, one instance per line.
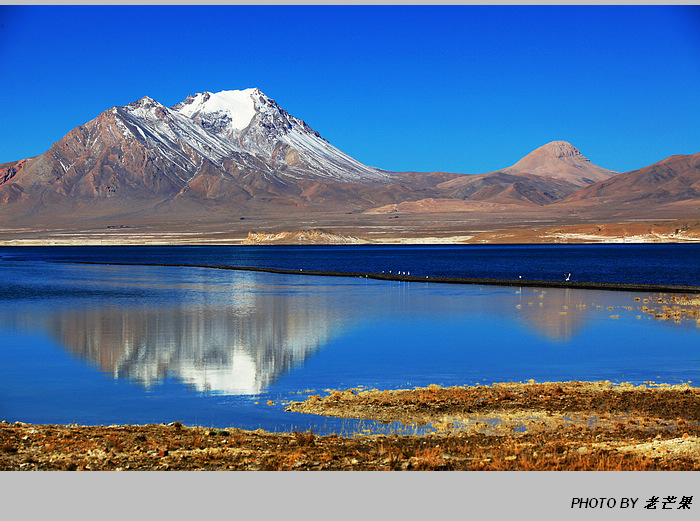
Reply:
x=213 y=350
x=235 y=333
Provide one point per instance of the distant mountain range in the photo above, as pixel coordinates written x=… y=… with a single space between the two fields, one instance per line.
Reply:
x=221 y=156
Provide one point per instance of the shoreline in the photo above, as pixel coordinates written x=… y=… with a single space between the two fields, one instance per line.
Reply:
x=499 y=238
x=506 y=426
x=612 y=286
x=419 y=228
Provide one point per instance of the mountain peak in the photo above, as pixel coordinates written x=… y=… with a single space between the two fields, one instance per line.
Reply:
x=235 y=107
x=146 y=101
x=561 y=160
x=145 y=108
x=560 y=149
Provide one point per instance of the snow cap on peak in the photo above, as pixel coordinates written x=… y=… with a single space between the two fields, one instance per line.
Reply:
x=237 y=106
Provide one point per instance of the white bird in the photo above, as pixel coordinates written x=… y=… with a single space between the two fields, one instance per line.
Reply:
x=568 y=277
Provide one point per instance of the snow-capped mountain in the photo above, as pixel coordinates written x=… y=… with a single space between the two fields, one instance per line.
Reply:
x=227 y=148
x=261 y=127
x=233 y=125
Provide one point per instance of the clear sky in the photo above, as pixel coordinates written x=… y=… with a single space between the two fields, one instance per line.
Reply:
x=466 y=89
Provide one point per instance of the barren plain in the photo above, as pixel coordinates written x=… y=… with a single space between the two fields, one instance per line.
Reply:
x=409 y=228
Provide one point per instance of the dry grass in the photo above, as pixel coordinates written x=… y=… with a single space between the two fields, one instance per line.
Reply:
x=679 y=308
x=564 y=448
x=507 y=426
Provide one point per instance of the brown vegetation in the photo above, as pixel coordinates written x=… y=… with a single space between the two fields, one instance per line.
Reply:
x=676 y=307
x=510 y=426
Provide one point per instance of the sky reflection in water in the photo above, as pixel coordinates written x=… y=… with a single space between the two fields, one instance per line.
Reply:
x=110 y=344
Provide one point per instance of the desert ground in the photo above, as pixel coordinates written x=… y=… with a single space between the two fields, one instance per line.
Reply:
x=393 y=228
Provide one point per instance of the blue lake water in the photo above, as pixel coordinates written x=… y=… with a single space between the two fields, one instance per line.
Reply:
x=633 y=263
x=98 y=344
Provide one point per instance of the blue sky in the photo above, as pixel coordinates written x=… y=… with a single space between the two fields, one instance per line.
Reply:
x=466 y=89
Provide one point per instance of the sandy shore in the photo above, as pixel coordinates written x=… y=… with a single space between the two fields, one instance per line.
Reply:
x=508 y=426
x=457 y=228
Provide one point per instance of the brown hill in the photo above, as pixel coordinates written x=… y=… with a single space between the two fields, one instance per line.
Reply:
x=503 y=187
x=670 y=186
x=546 y=175
x=561 y=160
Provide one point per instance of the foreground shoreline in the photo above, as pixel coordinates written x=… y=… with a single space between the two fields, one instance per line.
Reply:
x=506 y=426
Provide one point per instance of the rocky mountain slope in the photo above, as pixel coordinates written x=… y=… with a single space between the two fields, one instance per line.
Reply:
x=233 y=149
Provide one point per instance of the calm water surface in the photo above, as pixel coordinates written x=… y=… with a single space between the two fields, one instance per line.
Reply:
x=115 y=344
x=634 y=263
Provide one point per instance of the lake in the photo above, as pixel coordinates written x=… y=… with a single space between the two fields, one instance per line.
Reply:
x=101 y=344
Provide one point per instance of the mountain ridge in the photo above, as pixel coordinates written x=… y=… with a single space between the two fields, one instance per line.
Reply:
x=215 y=156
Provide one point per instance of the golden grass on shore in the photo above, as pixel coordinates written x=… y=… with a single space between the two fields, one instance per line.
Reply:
x=507 y=426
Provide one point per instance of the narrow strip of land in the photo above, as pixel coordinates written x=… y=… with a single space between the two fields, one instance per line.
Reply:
x=612 y=286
